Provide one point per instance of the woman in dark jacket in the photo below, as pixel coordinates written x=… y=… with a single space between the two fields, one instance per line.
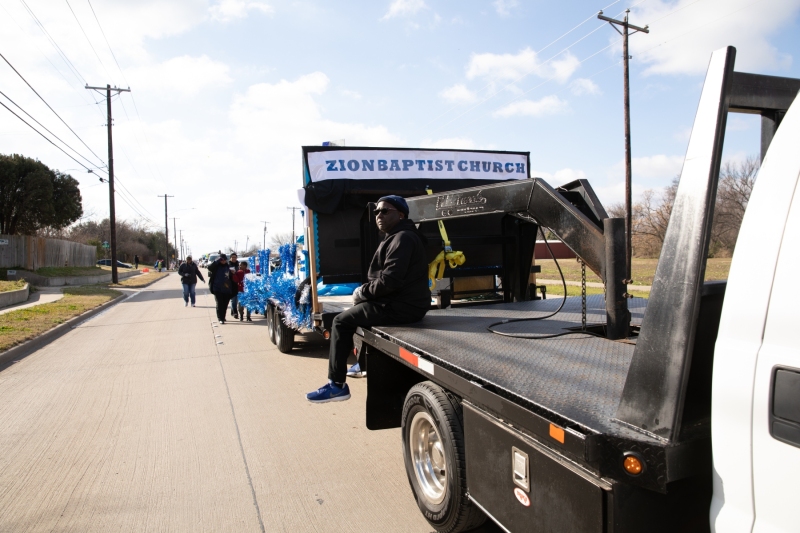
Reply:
x=222 y=285
x=189 y=274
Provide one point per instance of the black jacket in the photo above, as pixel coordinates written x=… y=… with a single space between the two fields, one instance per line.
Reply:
x=189 y=273
x=220 y=279
x=399 y=269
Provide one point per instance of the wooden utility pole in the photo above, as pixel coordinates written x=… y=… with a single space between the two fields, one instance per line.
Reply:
x=264 y=247
x=293 y=209
x=166 y=229
x=111 y=210
x=175 y=233
x=627 y=105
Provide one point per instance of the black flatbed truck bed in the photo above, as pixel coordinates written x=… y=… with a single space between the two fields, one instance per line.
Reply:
x=555 y=399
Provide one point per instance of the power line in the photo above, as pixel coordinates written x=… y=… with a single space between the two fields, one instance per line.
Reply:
x=551 y=43
x=54 y=43
x=48 y=131
x=45 y=137
x=133 y=197
x=47 y=58
x=107 y=44
x=133 y=98
x=49 y=107
x=87 y=39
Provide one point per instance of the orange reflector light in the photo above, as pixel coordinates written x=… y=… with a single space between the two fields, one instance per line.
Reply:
x=632 y=465
x=326 y=334
x=557 y=433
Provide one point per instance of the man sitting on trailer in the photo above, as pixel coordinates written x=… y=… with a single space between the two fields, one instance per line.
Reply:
x=397 y=293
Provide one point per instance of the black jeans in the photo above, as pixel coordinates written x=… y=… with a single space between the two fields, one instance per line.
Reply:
x=365 y=314
x=222 y=305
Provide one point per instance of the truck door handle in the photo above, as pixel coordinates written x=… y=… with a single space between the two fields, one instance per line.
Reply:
x=784 y=416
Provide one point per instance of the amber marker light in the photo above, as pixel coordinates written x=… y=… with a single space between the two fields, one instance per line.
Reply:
x=633 y=465
x=326 y=334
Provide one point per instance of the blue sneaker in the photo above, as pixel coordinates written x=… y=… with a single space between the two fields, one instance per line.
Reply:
x=356 y=372
x=329 y=393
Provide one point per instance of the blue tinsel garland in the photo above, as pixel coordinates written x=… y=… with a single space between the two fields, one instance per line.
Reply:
x=280 y=286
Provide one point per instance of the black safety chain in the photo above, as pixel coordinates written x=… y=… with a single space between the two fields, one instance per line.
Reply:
x=583 y=295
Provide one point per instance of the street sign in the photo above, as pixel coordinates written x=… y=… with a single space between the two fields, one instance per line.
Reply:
x=3 y=241
x=106 y=245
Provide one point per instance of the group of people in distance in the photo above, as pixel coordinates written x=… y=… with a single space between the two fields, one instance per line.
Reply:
x=225 y=281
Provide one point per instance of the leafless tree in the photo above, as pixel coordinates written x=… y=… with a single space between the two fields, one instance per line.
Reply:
x=278 y=239
x=736 y=181
x=651 y=213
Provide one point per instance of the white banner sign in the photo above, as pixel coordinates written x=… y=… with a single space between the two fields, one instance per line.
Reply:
x=408 y=164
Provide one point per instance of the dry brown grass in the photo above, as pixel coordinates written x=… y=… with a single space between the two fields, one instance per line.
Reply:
x=18 y=326
x=6 y=286
x=141 y=281
x=643 y=270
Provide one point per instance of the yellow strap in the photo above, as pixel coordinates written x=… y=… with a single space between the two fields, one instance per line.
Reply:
x=454 y=259
x=436 y=267
x=442 y=231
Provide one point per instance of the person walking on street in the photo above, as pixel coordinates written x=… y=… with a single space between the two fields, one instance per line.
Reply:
x=136 y=261
x=234 y=265
x=239 y=277
x=397 y=293
x=222 y=285
x=189 y=274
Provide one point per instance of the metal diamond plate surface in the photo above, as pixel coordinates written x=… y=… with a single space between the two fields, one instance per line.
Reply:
x=577 y=376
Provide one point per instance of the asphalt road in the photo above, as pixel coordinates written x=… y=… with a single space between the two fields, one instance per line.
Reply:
x=151 y=417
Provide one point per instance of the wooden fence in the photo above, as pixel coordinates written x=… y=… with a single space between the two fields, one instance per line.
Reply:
x=31 y=253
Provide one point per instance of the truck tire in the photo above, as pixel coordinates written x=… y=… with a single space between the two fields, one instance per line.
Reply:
x=433 y=451
x=284 y=335
x=271 y=322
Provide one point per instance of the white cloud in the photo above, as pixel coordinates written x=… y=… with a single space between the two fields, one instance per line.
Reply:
x=559 y=177
x=460 y=143
x=650 y=171
x=458 y=94
x=402 y=8
x=583 y=86
x=355 y=95
x=549 y=105
x=285 y=115
x=682 y=42
x=503 y=7
x=183 y=75
x=512 y=67
x=227 y=10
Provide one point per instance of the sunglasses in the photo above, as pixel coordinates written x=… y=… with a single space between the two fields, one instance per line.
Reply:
x=384 y=210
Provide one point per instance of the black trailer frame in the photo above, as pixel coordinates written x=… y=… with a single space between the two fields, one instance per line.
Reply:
x=580 y=406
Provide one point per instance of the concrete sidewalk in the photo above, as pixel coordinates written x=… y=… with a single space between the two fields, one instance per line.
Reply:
x=151 y=417
x=42 y=295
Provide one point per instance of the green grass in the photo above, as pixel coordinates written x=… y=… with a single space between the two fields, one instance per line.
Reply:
x=572 y=290
x=55 y=272
x=24 y=324
x=643 y=270
x=6 y=286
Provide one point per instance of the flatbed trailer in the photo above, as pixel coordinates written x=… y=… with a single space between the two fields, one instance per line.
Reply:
x=607 y=427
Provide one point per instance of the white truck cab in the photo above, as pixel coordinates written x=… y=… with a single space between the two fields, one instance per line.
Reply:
x=756 y=380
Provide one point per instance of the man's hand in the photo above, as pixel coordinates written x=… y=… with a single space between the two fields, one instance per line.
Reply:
x=358 y=296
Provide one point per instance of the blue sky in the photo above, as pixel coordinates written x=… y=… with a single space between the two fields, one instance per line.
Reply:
x=226 y=91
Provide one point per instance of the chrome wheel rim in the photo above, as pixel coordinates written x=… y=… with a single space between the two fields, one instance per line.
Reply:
x=427 y=456
x=276 y=327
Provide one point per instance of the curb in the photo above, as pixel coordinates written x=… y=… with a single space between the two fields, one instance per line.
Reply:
x=10 y=298
x=16 y=353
